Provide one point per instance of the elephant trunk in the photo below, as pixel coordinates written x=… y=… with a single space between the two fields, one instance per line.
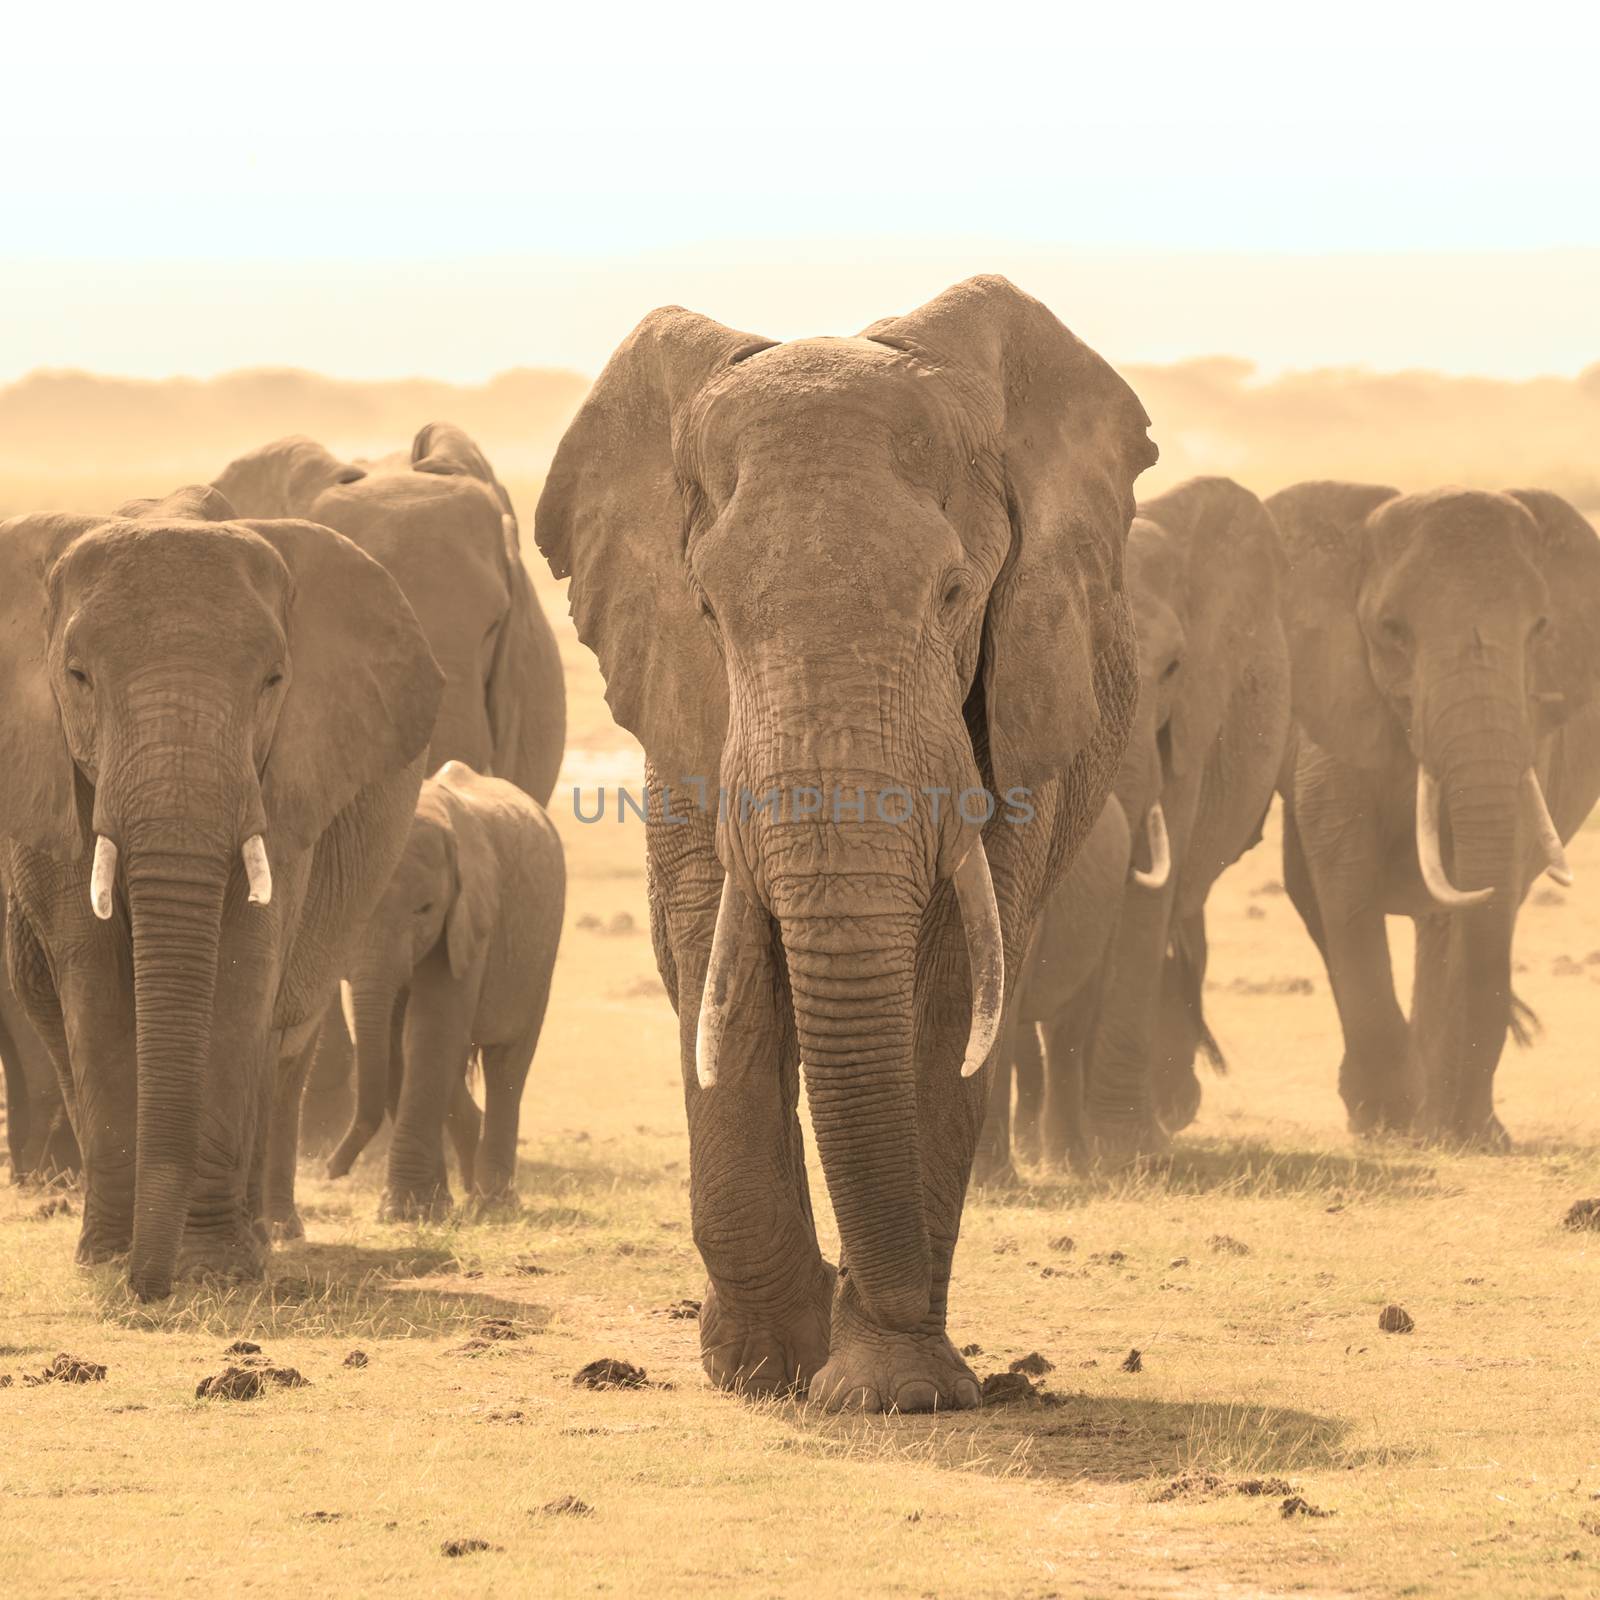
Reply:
x=175 y=900
x=852 y=975
x=374 y=996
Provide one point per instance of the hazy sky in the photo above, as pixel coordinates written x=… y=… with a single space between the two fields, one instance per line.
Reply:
x=456 y=188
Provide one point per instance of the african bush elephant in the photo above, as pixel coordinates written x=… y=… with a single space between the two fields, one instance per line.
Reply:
x=1058 y=1001
x=1446 y=652
x=443 y=525
x=874 y=586
x=456 y=959
x=214 y=739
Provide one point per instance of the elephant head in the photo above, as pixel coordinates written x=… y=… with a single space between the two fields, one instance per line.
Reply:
x=284 y=478
x=874 y=570
x=194 y=701
x=1447 y=632
x=446 y=887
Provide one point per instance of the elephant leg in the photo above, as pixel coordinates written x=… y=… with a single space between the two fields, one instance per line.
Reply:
x=437 y=1040
x=465 y=1128
x=329 y=1101
x=764 y=1316
x=376 y=1093
x=1297 y=878
x=1065 y=1041
x=505 y=1072
x=293 y=1064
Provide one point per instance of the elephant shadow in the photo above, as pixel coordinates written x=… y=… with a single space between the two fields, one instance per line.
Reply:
x=1072 y=1437
x=1243 y=1168
x=330 y=1291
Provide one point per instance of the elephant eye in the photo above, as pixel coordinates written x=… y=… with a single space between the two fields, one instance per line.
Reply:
x=1395 y=631
x=78 y=675
x=1171 y=669
x=274 y=678
x=425 y=908
x=1541 y=626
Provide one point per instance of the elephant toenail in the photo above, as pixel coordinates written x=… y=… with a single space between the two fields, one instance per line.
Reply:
x=918 y=1395
x=968 y=1394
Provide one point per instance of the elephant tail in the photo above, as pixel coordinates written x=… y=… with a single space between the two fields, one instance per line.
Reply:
x=1525 y=1023
x=1186 y=972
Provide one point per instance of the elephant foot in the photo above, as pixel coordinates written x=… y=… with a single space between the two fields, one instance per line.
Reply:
x=495 y=1205
x=416 y=1205
x=96 y=1249
x=1116 y=1145
x=239 y=1259
x=285 y=1227
x=758 y=1353
x=880 y=1371
x=1376 y=1118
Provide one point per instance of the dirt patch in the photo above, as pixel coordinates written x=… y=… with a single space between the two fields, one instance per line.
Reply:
x=356 y=1358
x=1396 y=1319
x=242 y=1347
x=1226 y=1245
x=1271 y=986
x=526 y=1268
x=1298 y=1506
x=972 y=1349
x=609 y=1373
x=1583 y=1217
x=1034 y=1365
x=248 y=1382
x=1065 y=1243
x=488 y=1335
x=679 y=1311
x=1213 y=1485
x=567 y=1505
x=1133 y=1361
x=322 y=1516
x=466 y=1547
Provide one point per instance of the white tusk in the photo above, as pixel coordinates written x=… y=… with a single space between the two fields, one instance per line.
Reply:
x=1428 y=857
x=714 y=997
x=103 y=880
x=1155 y=824
x=980 y=917
x=257 y=870
x=347 y=1004
x=1549 y=839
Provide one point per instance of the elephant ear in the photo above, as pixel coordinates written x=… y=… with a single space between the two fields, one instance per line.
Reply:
x=195 y=502
x=613 y=518
x=475 y=909
x=363 y=688
x=1336 y=701
x=1567 y=552
x=38 y=782
x=1070 y=438
x=1229 y=571
x=527 y=691
x=283 y=478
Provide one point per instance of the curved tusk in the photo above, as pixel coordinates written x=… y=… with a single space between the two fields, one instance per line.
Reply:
x=257 y=870
x=714 y=997
x=1155 y=825
x=103 y=879
x=347 y=1005
x=1549 y=840
x=1428 y=857
x=980 y=917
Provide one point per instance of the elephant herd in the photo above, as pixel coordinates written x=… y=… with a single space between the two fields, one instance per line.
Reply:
x=947 y=738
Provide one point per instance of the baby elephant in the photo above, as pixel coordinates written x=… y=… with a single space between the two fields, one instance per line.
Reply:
x=456 y=960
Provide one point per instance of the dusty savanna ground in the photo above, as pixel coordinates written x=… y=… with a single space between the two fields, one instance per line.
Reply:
x=1461 y=1459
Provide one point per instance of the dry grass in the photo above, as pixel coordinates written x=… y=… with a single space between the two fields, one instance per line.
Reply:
x=1459 y=1460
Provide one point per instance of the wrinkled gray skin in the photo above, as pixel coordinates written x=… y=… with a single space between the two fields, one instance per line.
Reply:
x=1205 y=567
x=456 y=960
x=443 y=525
x=1458 y=630
x=1058 y=1004
x=839 y=564
x=178 y=681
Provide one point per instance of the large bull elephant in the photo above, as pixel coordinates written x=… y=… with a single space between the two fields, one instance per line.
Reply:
x=214 y=737
x=441 y=522
x=874 y=584
x=1446 y=654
